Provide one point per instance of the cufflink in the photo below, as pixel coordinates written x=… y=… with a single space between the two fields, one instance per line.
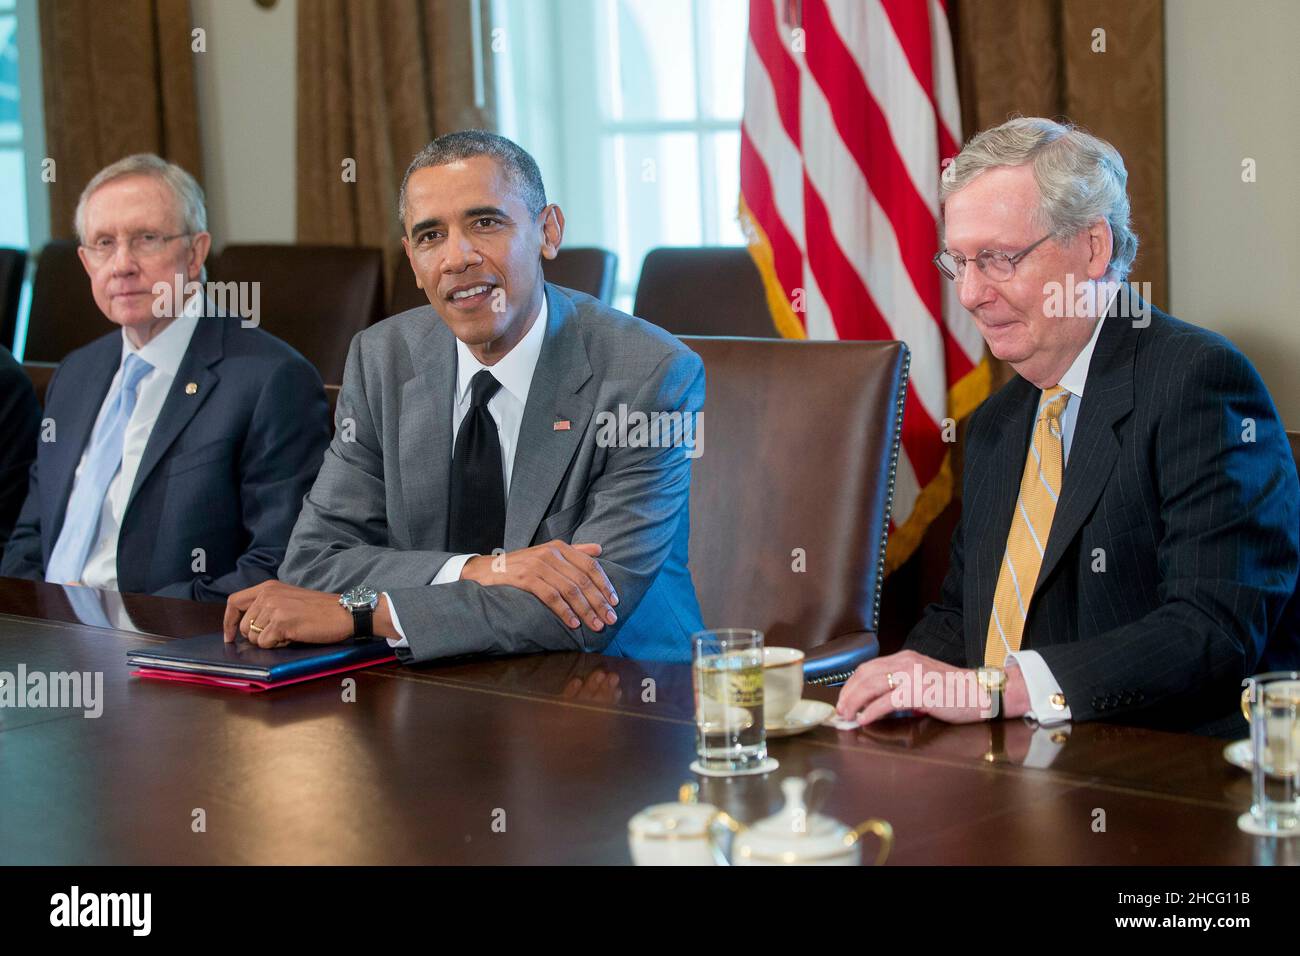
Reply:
x=1057 y=701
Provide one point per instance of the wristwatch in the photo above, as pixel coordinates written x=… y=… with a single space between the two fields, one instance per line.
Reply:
x=992 y=681
x=360 y=601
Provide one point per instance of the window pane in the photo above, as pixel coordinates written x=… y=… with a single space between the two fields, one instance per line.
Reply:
x=10 y=120
x=654 y=49
x=659 y=195
x=726 y=176
x=13 y=199
x=722 y=51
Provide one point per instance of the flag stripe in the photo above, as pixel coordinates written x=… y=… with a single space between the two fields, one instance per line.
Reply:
x=783 y=73
x=912 y=22
x=787 y=257
x=868 y=249
x=865 y=133
x=843 y=136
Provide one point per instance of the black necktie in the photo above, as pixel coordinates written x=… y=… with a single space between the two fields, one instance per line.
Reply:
x=478 y=490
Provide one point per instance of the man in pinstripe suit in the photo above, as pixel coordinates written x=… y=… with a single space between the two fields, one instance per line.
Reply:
x=1130 y=512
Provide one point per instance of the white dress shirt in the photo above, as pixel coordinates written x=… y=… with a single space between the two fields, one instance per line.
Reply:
x=164 y=352
x=1039 y=682
x=515 y=373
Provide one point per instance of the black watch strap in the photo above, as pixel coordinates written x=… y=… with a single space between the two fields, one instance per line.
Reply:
x=362 y=622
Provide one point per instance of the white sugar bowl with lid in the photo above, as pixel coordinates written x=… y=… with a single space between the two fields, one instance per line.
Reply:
x=794 y=836
x=674 y=834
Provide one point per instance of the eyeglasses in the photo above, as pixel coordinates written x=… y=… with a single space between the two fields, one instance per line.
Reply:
x=142 y=245
x=998 y=266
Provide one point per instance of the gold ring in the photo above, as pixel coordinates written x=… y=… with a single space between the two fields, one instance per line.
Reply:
x=255 y=629
x=889 y=678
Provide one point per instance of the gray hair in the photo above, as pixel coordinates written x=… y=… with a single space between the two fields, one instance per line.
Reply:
x=520 y=167
x=186 y=190
x=1081 y=179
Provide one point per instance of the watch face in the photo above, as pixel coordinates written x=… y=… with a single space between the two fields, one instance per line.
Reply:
x=359 y=597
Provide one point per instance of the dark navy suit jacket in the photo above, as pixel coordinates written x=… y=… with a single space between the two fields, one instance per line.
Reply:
x=225 y=468
x=21 y=413
x=1181 y=480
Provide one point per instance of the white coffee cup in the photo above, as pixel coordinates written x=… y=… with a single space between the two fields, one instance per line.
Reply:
x=782 y=682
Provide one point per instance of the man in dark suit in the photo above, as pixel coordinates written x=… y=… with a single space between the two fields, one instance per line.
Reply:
x=476 y=475
x=1129 y=512
x=21 y=413
x=183 y=443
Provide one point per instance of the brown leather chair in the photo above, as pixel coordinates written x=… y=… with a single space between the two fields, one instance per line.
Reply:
x=64 y=316
x=13 y=264
x=584 y=268
x=316 y=298
x=800 y=446
x=332 y=397
x=705 y=291
x=40 y=374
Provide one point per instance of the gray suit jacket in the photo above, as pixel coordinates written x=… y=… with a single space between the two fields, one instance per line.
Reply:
x=378 y=513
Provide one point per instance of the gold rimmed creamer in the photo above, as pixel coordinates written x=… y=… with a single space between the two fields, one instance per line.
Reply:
x=794 y=836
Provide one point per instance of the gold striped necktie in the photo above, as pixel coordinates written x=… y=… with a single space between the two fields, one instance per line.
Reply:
x=1040 y=485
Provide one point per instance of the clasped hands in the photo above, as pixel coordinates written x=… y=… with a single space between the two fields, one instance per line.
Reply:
x=923 y=685
x=567 y=578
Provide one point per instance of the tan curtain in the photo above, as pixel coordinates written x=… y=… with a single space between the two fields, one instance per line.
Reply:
x=376 y=82
x=117 y=81
x=1036 y=58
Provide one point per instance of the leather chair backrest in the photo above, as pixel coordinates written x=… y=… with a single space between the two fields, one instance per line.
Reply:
x=705 y=291
x=791 y=495
x=13 y=264
x=332 y=396
x=64 y=315
x=40 y=374
x=584 y=268
x=316 y=298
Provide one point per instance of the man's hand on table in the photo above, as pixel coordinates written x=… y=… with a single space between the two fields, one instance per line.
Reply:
x=867 y=697
x=273 y=613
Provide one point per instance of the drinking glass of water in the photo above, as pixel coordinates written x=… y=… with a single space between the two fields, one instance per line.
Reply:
x=727 y=674
x=1273 y=702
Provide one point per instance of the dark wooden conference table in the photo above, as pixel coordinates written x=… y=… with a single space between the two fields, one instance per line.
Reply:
x=539 y=759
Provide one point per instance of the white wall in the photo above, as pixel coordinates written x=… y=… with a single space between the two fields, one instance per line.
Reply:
x=247 y=115
x=1234 y=248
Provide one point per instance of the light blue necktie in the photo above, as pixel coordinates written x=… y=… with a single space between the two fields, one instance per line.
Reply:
x=81 y=521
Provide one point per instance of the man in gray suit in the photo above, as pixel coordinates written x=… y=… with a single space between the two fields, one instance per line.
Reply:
x=479 y=437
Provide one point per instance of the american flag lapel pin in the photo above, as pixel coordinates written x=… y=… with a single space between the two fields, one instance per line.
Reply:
x=563 y=425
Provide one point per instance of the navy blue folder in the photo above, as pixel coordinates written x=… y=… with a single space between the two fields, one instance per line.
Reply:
x=209 y=659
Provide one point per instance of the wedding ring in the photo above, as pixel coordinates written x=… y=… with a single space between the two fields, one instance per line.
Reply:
x=255 y=629
x=890 y=679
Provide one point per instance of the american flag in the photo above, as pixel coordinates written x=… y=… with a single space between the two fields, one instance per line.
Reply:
x=850 y=112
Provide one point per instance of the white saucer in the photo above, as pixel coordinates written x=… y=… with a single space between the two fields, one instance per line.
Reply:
x=806 y=715
x=767 y=766
x=1238 y=754
x=1250 y=825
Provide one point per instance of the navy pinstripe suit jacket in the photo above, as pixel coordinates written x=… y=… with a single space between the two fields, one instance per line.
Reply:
x=1181 y=481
